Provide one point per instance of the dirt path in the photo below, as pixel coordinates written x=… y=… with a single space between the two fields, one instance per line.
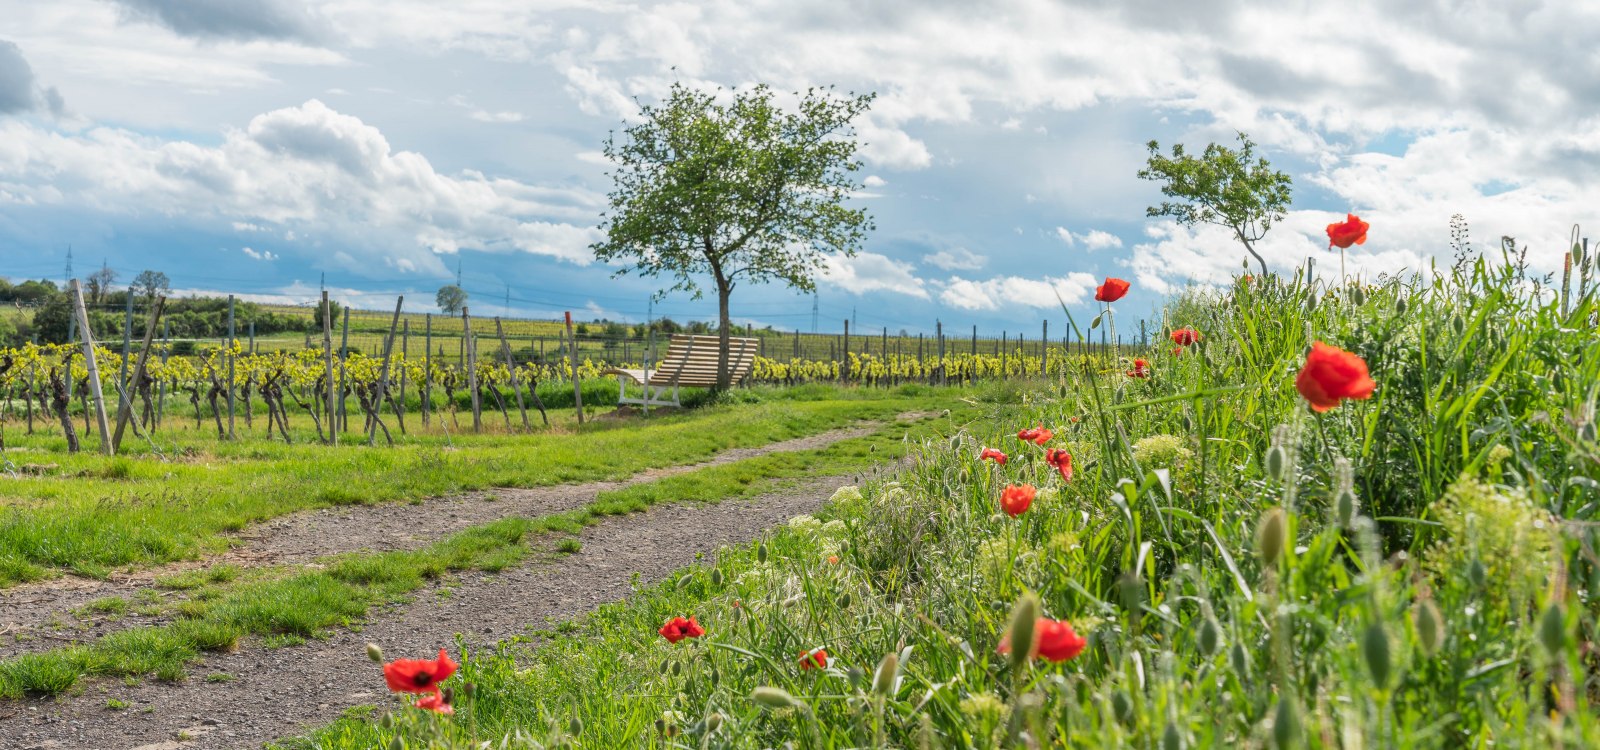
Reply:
x=275 y=693
x=51 y=614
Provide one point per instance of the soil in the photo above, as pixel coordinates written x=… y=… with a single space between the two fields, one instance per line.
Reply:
x=285 y=691
x=51 y=614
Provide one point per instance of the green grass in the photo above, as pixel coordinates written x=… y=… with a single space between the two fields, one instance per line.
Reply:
x=1464 y=488
x=286 y=606
x=99 y=514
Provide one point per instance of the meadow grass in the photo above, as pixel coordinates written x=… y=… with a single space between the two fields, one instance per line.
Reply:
x=1416 y=570
x=96 y=513
x=286 y=605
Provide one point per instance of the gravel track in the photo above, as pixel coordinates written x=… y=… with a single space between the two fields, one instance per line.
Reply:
x=281 y=692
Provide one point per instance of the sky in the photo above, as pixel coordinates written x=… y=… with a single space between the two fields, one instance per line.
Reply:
x=269 y=147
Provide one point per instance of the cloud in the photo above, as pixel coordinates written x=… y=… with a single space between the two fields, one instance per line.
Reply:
x=1093 y=239
x=266 y=255
x=956 y=259
x=872 y=272
x=225 y=19
x=19 y=92
x=1005 y=291
x=306 y=168
x=498 y=117
x=873 y=181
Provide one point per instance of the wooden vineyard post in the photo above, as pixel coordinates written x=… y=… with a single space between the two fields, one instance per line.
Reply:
x=405 y=363
x=344 y=368
x=844 y=362
x=82 y=316
x=161 y=388
x=383 y=378
x=127 y=341
x=470 y=361
x=1044 y=346
x=125 y=408
x=327 y=355
x=511 y=367
x=231 y=339
x=427 y=365
x=577 y=387
x=938 y=330
x=249 y=380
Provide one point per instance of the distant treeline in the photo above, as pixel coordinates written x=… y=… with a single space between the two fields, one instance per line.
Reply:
x=188 y=318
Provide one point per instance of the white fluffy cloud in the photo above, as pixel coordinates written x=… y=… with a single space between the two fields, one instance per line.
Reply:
x=1007 y=291
x=1093 y=239
x=254 y=254
x=307 y=167
x=872 y=272
x=955 y=259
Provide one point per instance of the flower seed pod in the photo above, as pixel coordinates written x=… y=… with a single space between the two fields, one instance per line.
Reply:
x=1286 y=724
x=883 y=680
x=1277 y=463
x=1240 y=659
x=1020 y=632
x=772 y=697
x=1171 y=739
x=374 y=653
x=1122 y=707
x=1553 y=629
x=575 y=726
x=1345 y=506
x=1429 y=624
x=1375 y=650
x=1271 y=534
x=761 y=553
x=1210 y=635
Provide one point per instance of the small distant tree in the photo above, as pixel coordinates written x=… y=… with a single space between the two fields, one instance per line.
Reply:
x=1222 y=187
x=151 y=284
x=100 y=283
x=451 y=299
x=738 y=190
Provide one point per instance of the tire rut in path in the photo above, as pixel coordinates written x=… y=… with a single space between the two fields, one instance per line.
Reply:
x=42 y=616
x=281 y=692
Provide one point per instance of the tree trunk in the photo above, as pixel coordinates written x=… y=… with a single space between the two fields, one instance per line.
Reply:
x=1249 y=248
x=724 y=377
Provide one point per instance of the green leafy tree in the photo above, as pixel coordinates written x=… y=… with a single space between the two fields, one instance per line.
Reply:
x=151 y=284
x=735 y=189
x=451 y=299
x=1222 y=186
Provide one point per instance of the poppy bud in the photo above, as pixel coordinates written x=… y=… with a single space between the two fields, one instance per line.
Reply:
x=843 y=601
x=397 y=744
x=1586 y=433
x=1429 y=624
x=1285 y=724
x=1021 y=630
x=685 y=581
x=1375 y=649
x=661 y=726
x=883 y=681
x=374 y=653
x=1122 y=707
x=1399 y=305
x=1277 y=462
x=677 y=668
x=1270 y=535
x=761 y=553
x=1240 y=658
x=1311 y=302
x=1457 y=324
x=1210 y=635
x=857 y=677
x=1358 y=296
x=1172 y=739
x=716 y=577
x=1476 y=573
x=1553 y=629
x=1345 y=505
x=772 y=697
x=713 y=722
x=716 y=677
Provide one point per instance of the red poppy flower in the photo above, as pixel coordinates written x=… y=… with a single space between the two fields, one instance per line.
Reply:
x=1054 y=640
x=418 y=675
x=990 y=454
x=833 y=559
x=1141 y=369
x=1353 y=231
x=1177 y=351
x=812 y=659
x=1062 y=460
x=1073 y=420
x=1043 y=436
x=1016 y=498
x=1331 y=375
x=1111 y=291
x=435 y=702
x=1037 y=435
x=1185 y=336
x=679 y=628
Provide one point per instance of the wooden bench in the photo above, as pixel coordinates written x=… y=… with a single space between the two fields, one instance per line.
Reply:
x=689 y=361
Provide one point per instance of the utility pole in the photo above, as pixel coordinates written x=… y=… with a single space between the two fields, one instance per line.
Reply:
x=68 y=279
x=814 y=297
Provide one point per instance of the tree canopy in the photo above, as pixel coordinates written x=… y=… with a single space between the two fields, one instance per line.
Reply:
x=1222 y=187
x=732 y=186
x=451 y=299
